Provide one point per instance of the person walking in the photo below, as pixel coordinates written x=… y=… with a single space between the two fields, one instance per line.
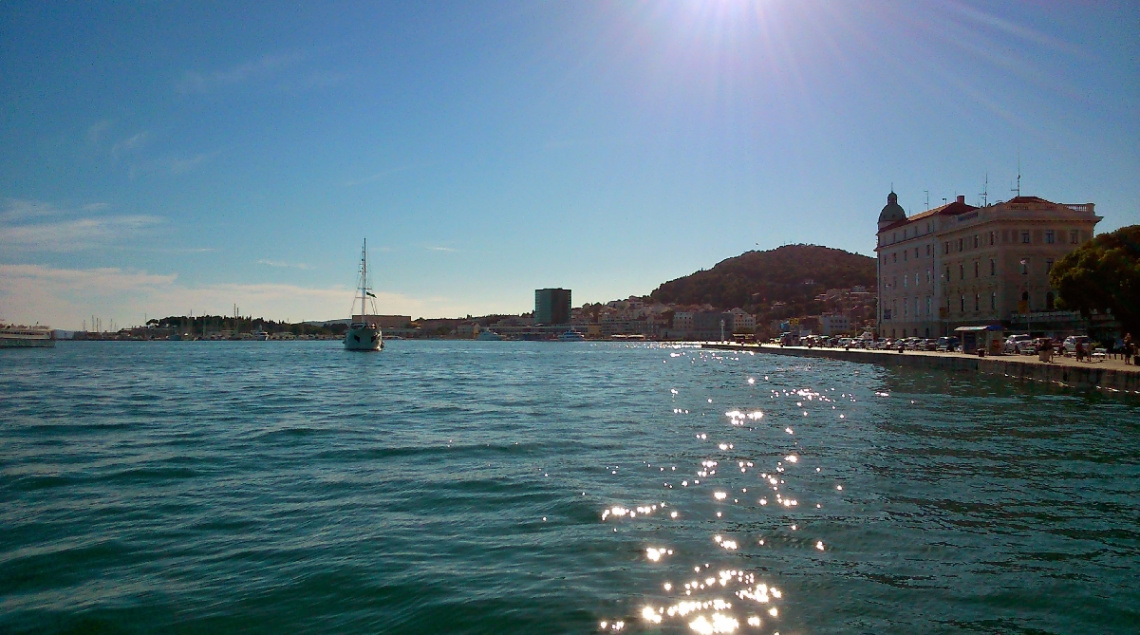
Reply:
x=1129 y=348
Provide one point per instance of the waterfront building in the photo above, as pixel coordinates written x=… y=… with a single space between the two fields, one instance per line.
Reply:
x=835 y=324
x=742 y=321
x=551 y=306
x=959 y=265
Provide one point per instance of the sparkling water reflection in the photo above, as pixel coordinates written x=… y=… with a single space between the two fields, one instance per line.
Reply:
x=530 y=487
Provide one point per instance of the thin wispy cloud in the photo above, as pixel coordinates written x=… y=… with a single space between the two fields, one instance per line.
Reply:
x=442 y=248
x=284 y=265
x=382 y=174
x=97 y=132
x=195 y=81
x=169 y=165
x=130 y=144
x=76 y=234
x=21 y=209
x=28 y=226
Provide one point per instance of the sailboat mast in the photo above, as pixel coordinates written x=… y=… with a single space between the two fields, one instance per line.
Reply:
x=363 y=279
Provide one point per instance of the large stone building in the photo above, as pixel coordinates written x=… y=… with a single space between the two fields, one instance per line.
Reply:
x=958 y=265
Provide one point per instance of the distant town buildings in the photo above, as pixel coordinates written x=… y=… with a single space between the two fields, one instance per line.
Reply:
x=551 y=306
x=959 y=265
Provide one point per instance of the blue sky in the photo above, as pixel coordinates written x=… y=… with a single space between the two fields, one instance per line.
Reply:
x=162 y=158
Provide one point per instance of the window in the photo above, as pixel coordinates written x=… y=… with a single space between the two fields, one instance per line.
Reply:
x=916 y=307
x=1024 y=266
x=963 y=303
x=905 y=279
x=916 y=252
x=960 y=244
x=916 y=278
x=894 y=257
x=904 y=307
x=905 y=252
x=946 y=250
x=1048 y=265
x=1048 y=236
x=928 y=301
x=961 y=272
x=947 y=274
x=928 y=250
x=993 y=300
x=1025 y=237
x=977 y=301
x=1074 y=237
x=975 y=241
x=975 y=268
x=993 y=267
x=991 y=239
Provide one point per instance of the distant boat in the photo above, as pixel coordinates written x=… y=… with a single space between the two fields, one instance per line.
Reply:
x=572 y=336
x=13 y=336
x=364 y=335
x=487 y=335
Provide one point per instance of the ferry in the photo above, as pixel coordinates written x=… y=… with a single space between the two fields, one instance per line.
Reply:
x=364 y=335
x=572 y=336
x=19 y=336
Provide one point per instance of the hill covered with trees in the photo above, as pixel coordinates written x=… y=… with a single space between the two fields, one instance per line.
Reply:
x=793 y=275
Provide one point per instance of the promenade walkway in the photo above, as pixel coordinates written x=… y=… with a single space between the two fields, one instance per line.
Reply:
x=1110 y=374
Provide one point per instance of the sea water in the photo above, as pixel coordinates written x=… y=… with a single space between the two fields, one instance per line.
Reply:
x=528 y=487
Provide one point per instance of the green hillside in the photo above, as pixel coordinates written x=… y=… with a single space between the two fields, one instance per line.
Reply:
x=793 y=274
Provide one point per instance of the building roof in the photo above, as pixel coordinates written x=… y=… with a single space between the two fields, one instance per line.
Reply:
x=950 y=209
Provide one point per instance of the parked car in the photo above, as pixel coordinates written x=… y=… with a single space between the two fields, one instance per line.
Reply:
x=1070 y=345
x=947 y=344
x=1016 y=343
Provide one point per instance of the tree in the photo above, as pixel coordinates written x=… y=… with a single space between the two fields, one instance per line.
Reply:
x=1103 y=275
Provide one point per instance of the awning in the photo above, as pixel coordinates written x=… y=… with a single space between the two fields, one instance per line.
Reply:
x=979 y=329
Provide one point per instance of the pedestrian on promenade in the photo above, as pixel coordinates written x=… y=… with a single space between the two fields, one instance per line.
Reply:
x=1129 y=348
x=1080 y=351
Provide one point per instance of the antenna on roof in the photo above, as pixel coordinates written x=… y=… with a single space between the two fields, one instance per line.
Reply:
x=986 y=190
x=927 y=192
x=1018 y=188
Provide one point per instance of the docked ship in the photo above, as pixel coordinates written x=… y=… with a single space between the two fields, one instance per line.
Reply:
x=18 y=336
x=572 y=335
x=364 y=334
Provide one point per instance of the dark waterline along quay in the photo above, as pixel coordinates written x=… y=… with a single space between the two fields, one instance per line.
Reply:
x=1109 y=375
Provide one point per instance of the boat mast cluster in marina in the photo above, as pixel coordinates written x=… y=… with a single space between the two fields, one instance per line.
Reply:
x=364 y=332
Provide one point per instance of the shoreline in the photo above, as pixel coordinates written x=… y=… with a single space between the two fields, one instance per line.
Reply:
x=1110 y=376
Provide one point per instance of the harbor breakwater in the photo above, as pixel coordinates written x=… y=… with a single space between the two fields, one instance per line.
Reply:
x=1110 y=376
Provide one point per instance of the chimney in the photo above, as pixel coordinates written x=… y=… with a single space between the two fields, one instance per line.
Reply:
x=961 y=198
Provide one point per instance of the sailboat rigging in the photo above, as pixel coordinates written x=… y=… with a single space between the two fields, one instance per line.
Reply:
x=364 y=333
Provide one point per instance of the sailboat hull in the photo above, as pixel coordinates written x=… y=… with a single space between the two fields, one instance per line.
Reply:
x=363 y=338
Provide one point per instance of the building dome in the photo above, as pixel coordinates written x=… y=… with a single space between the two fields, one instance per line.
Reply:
x=892 y=212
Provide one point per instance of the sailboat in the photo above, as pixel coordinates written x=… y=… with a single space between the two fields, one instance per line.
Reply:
x=365 y=334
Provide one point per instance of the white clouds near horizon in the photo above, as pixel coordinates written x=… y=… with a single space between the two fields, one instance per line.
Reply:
x=64 y=298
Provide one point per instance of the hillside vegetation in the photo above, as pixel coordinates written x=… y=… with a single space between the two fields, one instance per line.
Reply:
x=753 y=281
